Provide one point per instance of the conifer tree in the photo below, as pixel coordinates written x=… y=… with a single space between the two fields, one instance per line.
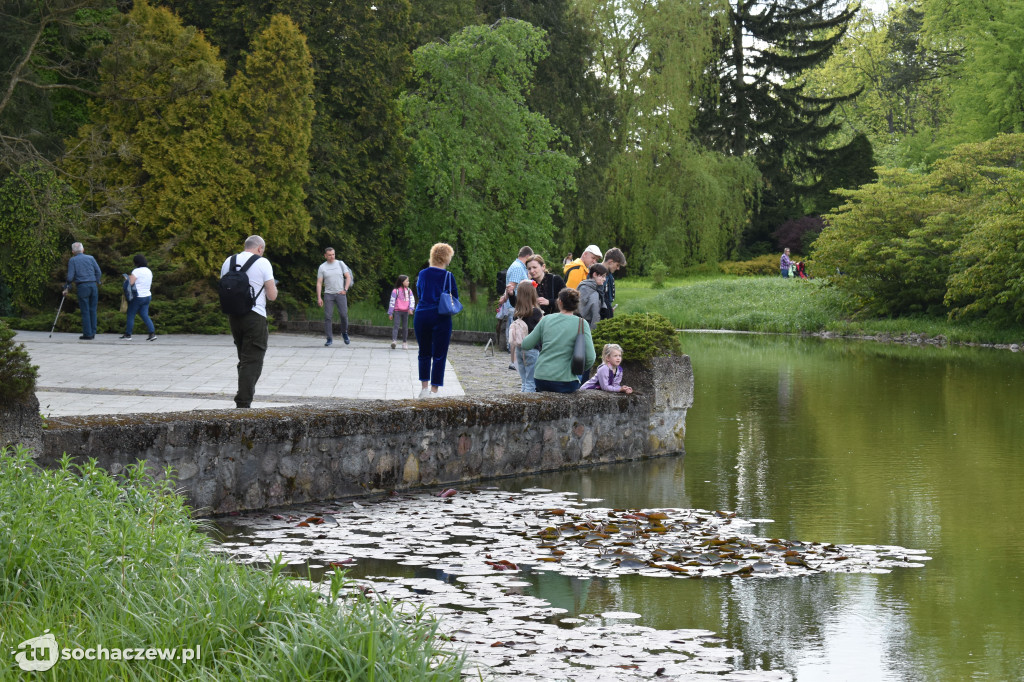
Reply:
x=761 y=107
x=178 y=164
x=358 y=167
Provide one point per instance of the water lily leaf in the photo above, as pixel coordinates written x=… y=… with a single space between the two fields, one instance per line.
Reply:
x=657 y=516
x=632 y=563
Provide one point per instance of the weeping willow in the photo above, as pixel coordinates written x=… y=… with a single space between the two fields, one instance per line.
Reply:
x=665 y=197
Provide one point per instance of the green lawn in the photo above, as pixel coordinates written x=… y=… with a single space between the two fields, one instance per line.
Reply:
x=774 y=304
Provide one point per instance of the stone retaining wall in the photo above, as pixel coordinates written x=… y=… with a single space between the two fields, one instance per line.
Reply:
x=230 y=460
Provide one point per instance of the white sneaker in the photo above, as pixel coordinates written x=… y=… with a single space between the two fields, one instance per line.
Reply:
x=424 y=393
x=405 y=346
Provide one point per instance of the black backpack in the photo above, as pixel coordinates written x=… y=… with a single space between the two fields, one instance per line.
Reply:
x=236 y=294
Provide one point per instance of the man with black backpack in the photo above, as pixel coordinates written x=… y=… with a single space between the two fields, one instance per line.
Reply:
x=246 y=284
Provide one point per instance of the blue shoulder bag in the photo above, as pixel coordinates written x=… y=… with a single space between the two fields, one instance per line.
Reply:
x=448 y=304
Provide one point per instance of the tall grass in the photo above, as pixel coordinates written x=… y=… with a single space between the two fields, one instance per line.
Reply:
x=119 y=563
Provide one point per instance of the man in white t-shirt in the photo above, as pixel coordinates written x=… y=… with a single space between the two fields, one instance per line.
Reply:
x=335 y=279
x=250 y=331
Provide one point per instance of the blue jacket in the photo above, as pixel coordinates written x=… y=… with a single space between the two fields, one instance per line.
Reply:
x=83 y=268
x=429 y=285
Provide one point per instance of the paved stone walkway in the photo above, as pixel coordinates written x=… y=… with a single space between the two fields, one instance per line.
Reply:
x=194 y=372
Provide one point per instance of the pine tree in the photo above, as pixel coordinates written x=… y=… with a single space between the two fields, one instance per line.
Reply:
x=762 y=109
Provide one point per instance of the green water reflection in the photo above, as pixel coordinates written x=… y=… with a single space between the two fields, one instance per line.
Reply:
x=847 y=442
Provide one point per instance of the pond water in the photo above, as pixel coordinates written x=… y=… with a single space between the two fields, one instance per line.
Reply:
x=853 y=443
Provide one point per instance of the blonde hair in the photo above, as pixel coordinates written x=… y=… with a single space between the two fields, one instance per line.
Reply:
x=526 y=299
x=441 y=255
x=610 y=348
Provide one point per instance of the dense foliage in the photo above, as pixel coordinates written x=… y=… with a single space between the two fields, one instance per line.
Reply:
x=487 y=173
x=943 y=241
x=29 y=232
x=642 y=336
x=684 y=132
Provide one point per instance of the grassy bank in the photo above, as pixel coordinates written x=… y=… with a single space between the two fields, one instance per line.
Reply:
x=774 y=304
x=119 y=564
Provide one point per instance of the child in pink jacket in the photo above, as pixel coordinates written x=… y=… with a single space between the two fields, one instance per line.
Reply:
x=401 y=306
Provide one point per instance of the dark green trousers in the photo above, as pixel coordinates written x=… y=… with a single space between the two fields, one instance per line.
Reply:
x=250 y=333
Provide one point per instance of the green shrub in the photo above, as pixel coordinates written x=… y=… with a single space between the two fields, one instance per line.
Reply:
x=642 y=336
x=17 y=373
x=658 y=273
x=762 y=265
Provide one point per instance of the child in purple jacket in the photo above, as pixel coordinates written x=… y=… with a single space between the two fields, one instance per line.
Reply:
x=609 y=374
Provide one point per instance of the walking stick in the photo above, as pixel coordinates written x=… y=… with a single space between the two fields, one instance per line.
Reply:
x=63 y=296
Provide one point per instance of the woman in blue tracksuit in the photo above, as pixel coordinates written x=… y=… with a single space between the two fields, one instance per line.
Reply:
x=433 y=330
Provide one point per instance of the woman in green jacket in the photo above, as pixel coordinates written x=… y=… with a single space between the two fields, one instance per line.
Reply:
x=556 y=336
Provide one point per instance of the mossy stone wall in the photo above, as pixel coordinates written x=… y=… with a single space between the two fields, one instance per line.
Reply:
x=231 y=460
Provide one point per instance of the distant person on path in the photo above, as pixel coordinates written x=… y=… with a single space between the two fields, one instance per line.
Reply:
x=402 y=303
x=84 y=273
x=592 y=295
x=250 y=331
x=556 y=336
x=577 y=271
x=433 y=330
x=548 y=284
x=613 y=260
x=142 y=279
x=609 y=375
x=567 y=259
x=527 y=316
x=335 y=278
x=785 y=263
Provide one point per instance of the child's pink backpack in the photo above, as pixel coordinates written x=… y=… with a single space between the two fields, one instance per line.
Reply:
x=401 y=300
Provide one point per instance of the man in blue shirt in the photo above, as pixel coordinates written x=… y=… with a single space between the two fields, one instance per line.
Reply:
x=515 y=274
x=84 y=273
